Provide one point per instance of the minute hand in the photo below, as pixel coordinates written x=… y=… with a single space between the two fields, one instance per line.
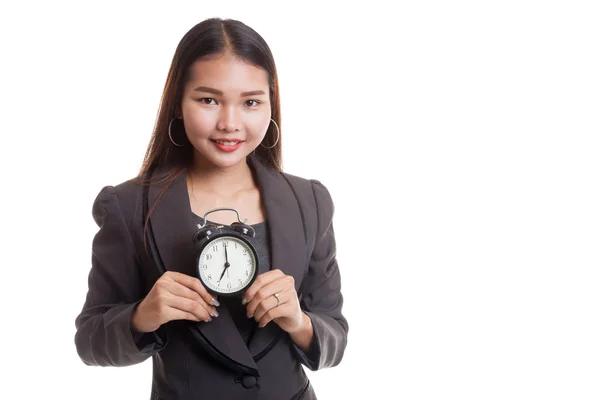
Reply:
x=226 y=260
x=226 y=264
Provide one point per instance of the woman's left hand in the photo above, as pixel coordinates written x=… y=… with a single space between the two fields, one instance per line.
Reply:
x=261 y=302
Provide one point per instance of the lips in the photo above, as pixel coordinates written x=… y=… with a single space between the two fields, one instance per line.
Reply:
x=230 y=142
x=227 y=144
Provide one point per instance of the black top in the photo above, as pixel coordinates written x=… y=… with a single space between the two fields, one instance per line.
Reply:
x=261 y=242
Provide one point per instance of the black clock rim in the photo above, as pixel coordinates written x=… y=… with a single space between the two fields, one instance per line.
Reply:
x=210 y=240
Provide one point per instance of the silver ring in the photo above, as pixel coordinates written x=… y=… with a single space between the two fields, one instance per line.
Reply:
x=277 y=297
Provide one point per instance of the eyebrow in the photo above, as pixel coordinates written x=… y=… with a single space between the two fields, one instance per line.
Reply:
x=219 y=93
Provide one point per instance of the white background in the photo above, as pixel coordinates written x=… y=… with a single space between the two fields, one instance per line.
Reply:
x=459 y=141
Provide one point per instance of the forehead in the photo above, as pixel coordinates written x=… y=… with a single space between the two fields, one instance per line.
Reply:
x=228 y=73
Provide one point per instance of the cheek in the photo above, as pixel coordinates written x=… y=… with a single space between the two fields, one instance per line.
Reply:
x=199 y=122
x=259 y=123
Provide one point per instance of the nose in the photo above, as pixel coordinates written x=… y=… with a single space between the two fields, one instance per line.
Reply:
x=228 y=120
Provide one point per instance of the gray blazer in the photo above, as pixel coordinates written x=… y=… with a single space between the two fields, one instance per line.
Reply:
x=210 y=360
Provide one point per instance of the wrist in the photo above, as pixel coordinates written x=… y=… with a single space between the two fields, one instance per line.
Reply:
x=136 y=327
x=304 y=334
x=306 y=324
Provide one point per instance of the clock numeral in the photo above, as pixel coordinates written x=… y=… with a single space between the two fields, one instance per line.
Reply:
x=208 y=256
x=246 y=272
x=244 y=252
x=229 y=286
x=209 y=277
x=204 y=267
x=215 y=248
x=235 y=245
x=239 y=281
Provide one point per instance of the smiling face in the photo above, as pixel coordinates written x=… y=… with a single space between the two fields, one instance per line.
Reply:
x=226 y=109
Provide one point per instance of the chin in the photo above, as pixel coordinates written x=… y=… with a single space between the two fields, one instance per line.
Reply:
x=222 y=159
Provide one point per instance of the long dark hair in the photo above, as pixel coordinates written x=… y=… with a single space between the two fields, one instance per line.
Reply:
x=210 y=37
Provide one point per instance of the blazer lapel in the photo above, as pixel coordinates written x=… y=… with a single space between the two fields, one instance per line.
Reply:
x=173 y=228
x=288 y=244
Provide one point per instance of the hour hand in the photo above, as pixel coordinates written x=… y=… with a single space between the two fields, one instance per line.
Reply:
x=223 y=273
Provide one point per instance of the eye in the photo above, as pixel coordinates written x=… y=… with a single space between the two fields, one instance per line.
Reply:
x=252 y=103
x=207 y=101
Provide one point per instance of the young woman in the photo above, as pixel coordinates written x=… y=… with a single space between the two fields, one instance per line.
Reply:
x=216 y=144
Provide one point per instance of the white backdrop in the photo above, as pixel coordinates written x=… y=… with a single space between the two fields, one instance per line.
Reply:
x=459 y=141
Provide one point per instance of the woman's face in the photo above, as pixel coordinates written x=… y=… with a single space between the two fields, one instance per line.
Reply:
x=226 y=109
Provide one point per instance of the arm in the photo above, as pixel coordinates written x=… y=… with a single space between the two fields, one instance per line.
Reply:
x=321 y=294
x=104 y=335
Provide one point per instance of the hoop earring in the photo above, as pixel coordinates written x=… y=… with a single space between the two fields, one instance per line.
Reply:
x=170 y=137
x=278 y=135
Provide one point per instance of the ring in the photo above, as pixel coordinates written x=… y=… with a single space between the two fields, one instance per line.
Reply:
x=277 y=297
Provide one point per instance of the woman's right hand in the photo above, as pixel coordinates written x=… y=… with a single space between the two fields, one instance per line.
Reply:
x=174 y=296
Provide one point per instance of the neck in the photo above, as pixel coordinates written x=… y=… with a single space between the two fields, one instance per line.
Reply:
x=222 y=181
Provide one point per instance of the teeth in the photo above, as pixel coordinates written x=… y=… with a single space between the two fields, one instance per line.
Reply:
x=227 y=143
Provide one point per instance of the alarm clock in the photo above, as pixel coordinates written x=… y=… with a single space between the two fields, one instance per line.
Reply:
x=227 y=261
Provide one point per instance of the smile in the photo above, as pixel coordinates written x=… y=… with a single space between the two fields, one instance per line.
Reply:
x=227 y=145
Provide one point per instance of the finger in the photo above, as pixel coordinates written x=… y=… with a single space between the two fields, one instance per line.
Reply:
x=275 y=312
x=270 y=303
x=262 y=294
x=267 y=291
x=201 y=310
x=183 y=291
x=179 y=290
x=176 y=314
x=261 y=281
x=195 y=285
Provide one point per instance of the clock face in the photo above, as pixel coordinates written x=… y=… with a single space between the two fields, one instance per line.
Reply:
x=227 y=265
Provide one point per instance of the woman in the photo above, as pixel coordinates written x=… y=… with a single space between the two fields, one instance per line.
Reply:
x=216 y=144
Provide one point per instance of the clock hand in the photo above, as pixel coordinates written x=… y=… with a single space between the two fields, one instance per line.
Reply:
x=224 y=269
x=226 y=264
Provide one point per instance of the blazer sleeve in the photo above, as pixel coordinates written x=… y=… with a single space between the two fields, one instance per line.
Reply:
x=115 y=288
x=322 y=299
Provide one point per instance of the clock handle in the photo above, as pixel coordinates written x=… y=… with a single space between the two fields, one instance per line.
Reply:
x=221 y=209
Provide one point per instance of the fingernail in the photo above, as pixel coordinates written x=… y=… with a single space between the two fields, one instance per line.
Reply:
x=214 y=313
x=249 y=315
x=244 y=301
x=214 y=302
x=209 y=319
